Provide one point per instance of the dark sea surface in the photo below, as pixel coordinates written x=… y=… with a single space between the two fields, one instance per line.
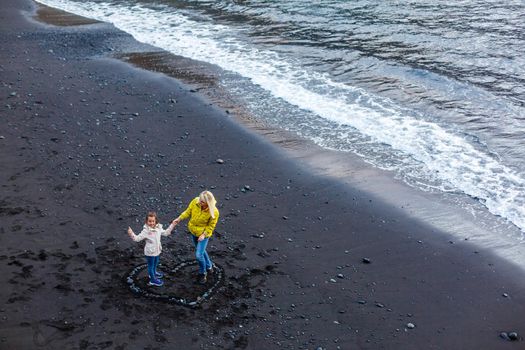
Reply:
x=433 y=91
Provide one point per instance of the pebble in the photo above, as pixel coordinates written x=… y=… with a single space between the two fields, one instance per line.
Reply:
x=513 y=336
x=340 y=275
x=220 y=161
x=411 y=325
x=505 y=295
x=367 y=260
x=2 y=137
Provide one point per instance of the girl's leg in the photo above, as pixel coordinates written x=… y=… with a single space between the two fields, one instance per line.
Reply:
x=200 y=254
x=157 y=261
x=151 y=267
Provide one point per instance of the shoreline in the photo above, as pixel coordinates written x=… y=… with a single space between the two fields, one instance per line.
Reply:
x=440 y=211
x=85 y=159
x=451 y=213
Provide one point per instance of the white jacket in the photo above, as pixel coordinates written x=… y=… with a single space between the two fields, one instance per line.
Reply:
x=152 y=237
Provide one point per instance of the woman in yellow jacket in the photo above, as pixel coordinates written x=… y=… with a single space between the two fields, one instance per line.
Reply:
x=203 y=215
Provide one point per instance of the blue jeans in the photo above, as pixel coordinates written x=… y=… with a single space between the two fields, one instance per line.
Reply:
x=201 y=254
x=153 y=262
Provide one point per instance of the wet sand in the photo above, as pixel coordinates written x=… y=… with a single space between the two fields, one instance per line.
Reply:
x=89 y=144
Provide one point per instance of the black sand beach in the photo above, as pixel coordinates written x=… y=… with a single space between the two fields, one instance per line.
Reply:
x=89 y=144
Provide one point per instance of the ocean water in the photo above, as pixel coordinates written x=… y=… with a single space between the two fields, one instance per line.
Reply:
x=433 y=91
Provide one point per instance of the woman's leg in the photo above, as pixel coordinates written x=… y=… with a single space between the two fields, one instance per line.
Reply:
x=200 y=254
x=207 y=260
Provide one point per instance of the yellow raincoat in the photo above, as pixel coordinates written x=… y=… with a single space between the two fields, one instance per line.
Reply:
x=200 y=220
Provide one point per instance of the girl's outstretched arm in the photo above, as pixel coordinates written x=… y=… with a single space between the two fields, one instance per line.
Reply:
x=168 y=230
x=136 y=238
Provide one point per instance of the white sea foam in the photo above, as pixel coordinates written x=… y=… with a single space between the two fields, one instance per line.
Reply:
x=446 y=155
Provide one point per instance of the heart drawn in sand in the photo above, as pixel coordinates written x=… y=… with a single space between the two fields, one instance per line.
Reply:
x=164 y=294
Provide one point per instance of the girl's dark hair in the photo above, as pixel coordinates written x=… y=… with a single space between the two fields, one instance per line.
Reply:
x=152 y=214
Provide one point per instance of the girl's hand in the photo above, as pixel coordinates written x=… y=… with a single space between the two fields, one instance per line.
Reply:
x=130 y=231
x=201 y=237
x=175 y=222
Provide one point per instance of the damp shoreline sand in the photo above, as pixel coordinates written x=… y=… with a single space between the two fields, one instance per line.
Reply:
x=90 y=143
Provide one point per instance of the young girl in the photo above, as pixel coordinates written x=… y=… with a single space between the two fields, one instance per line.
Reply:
x=151 y=232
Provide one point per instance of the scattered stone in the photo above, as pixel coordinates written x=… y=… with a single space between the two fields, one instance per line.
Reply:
x=340 y=275
x=285 y=217
x=220 y=161
x=505 y=295
x=504 y=335
x=513 y=336
x=332 y=280
x=367 y=261
x=362 y=302
x=379 y=305
x=2 y=137
x=411 y=325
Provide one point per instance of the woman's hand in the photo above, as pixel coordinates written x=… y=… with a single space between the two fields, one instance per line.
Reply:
x=201 y=237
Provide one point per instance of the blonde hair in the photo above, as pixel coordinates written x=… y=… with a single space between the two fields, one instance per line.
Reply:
x=207 y=196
